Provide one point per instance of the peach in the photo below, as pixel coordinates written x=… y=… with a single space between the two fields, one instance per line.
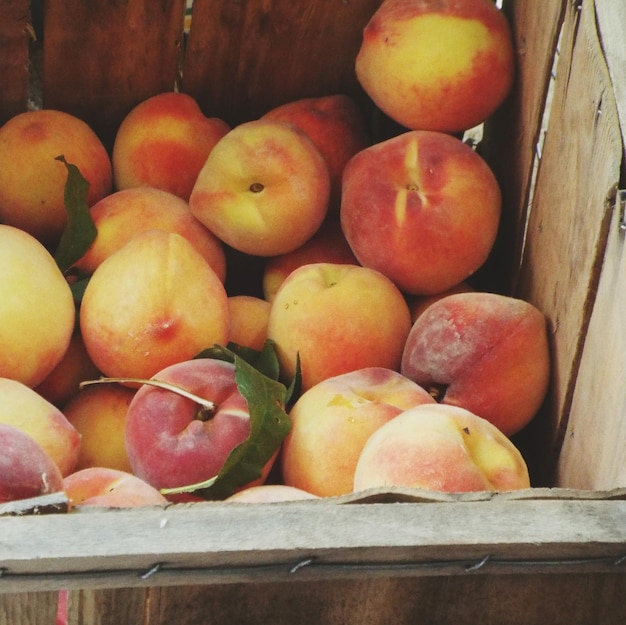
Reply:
x=432 y=65
x=23 y=408
x=337 y=127
x=37 y=310
x=154 y=302
x=440 y=448
x=110 y=488
x=32 y=182
x=423 y=208
x=331 y=422
x=327 y=245
x=99 y=415
x=163 y=142
x=26 y=469
x=419 y=303
x=63 y=382
x=270 y=493
x=264 y=188
x=249 y=316
x=122 y=215
x=485 y=352
x=337 y=318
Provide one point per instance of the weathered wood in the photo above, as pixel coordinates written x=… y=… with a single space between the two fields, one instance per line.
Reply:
x=119 y=606
x=28 y=608
x=15 y=35
x=244 y=57
x=101 y=58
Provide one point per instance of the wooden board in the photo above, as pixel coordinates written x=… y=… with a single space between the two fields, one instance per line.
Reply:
x=28 y=608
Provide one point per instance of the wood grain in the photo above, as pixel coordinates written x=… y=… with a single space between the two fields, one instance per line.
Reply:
x=28 y=608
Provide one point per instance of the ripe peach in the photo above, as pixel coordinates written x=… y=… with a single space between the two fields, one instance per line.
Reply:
x=423 y=208
x=485 y=352
x=32 y=182
x=99 y=415
x=122 y=215
x=264 y=188
x=23 y=408
x=37 y=309
x=154 y=302
x=441 y=448
x=419 y=303
x=270 y=493
x=332 y=420
x=163 y=143
x=433 y=65
x=337 y=318
x=26 y=469
x=248 y=320
x=110 y=488
x=327 y=245
x=337 y=127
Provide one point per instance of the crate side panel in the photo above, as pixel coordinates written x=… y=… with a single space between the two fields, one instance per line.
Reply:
x=119 y=606
x=512 y=133
x=243 y=58
x=568 y=220
x=101 y=58
x=15 y=35
x=28 y=608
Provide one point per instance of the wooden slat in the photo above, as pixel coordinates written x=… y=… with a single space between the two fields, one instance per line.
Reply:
x=120 y=606
x=101 y=58
x=15 y=35
x=245 y=57
x=28 y=608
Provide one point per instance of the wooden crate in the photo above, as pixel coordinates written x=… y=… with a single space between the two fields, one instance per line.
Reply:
x=553 y=554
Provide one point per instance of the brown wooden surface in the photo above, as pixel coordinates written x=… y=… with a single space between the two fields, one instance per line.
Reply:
x=245 y=57
x=15 y=35
x=28 y=608
x=101 y=58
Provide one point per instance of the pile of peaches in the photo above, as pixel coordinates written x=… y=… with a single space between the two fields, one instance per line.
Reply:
x=359 y=357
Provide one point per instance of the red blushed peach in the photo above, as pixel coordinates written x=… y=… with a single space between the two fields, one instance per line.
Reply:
x=337 y=318
x=433 y=65
x=36 y=311
x=99 y=415
x=327 y=245
x=26 y=469
x=248 y=320
x=270 y=493
x=122 y=215
x=423 y=208
x=336 y=126
x=485 y=352
x=32 y=182
x=264 y=188
x=154 y=302
x=23 y=408
x=331 y=422
x=163 y=143
x=419 y=303
x=440 y=448
x=110 y=488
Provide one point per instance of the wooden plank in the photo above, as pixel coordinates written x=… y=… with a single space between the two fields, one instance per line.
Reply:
x=16 y=33
x=243 y=58
x=28 y=608
x=570 y=214
x=216 y=543
x=120 y=606
x=101 y=58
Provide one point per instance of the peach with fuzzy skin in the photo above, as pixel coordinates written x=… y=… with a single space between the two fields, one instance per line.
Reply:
x=248 y=320
x=122 y=215
x=110 y=488
x=433 y=65
x=26 y=469
x=98 y=412
x=36 y=310
x=264 y=188
x=331 y=422
x=336 y=126
x=154 y=302
x=327 y=245
x=23 y=408
x=270 y=493
x=32 y=182
x=485 y=352
x=440 y=448
x=419 y=303
x=337 y=318
x=163 y=143
x=423 y=208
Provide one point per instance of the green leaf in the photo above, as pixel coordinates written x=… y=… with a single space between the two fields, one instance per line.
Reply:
x=265 y=361
x=80 y=230
x=269 y=425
